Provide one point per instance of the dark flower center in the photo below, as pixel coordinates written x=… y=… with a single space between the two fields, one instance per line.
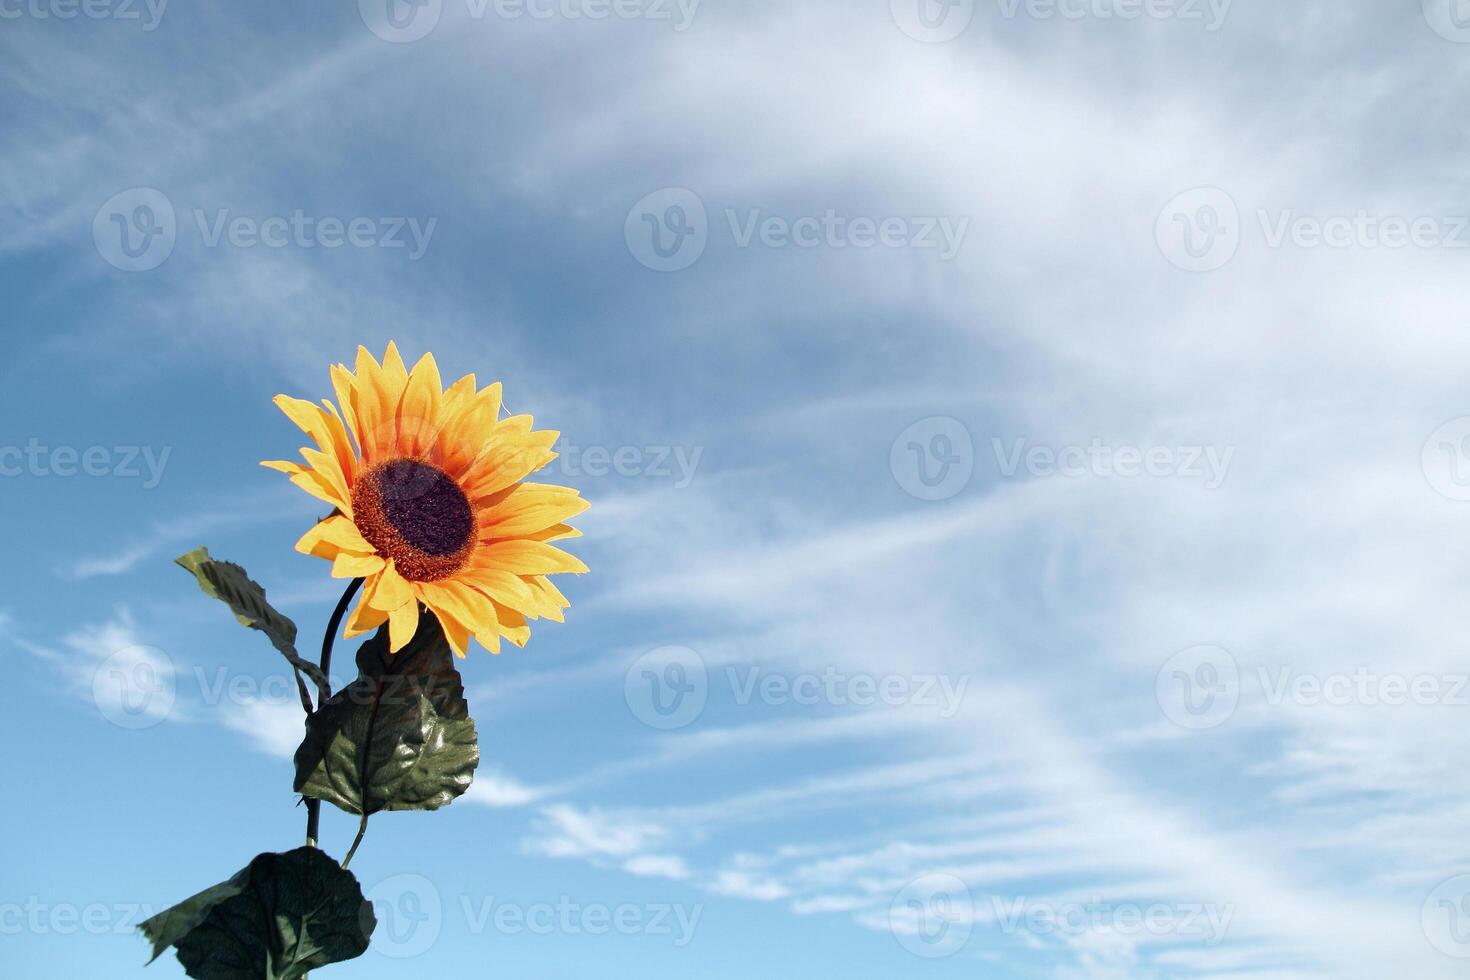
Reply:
x=415 y=514
x=425 y=507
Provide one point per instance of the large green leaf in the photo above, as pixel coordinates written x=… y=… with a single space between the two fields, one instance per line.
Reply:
x=279 y=917
x=228 y=582
x=399 y=737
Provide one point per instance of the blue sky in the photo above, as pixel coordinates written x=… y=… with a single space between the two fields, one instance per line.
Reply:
x=1031 y=438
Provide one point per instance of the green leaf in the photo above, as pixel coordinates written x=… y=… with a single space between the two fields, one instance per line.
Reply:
x=230 y=584
x=399 y=737
x=278 y=918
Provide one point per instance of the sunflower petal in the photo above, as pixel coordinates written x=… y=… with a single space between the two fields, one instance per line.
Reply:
x=403 y=622
x=455 y=632
x=418 y=408
x=526 y=558
x=531 y=507
x=508 y=589
x=320 y=487
x=364 y=619
x=337 y=532
x=392 y=589
x=356 y=566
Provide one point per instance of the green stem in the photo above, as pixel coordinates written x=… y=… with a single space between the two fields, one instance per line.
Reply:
x=361 y=829
x=314 y=807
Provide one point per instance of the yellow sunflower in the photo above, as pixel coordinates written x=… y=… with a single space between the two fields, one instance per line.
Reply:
x=431 y=503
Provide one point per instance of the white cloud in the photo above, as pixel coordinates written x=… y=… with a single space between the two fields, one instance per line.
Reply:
x=657 y=866
x=498 y=789
x=743 y=884
x=130 y=683
x=275 y=727
x=567 y=831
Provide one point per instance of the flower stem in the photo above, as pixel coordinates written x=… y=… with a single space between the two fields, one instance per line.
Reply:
x=314 y=807
x=361 y=829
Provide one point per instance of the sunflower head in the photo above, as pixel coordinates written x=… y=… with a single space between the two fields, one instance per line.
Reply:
x=431 y=504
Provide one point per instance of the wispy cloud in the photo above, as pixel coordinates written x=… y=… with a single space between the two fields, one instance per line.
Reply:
x=184 y=531
x=109 y=666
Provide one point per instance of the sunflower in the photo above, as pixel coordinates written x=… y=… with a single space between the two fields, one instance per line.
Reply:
x=432 y=507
